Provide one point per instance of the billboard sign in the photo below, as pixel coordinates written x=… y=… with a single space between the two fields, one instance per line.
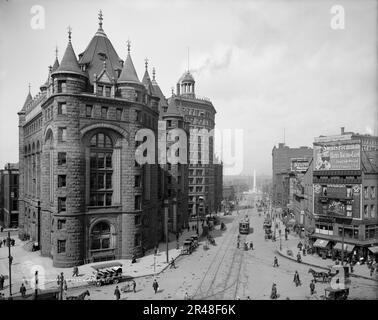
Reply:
x=337 y=156
x=299 y=165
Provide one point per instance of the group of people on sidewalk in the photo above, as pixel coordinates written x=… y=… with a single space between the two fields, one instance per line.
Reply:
x=4 y=242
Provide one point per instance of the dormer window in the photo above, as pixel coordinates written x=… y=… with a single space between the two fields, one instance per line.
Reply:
x=107 y=91
x=100 y=90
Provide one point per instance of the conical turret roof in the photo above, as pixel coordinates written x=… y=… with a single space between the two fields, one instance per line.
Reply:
x=157 y=90
x=100 y=49
x=128 y=73
x=147 y=82
x=28 y=99
x=69 y=61
x=173 y=109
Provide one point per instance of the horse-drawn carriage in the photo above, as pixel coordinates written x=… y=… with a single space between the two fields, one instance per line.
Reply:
x=336 y=293
x=320 y=276
x=190 y=244
x=107 y=273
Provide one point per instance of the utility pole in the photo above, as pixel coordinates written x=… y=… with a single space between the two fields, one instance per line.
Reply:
x=279 y=231
x=342 y=246
x=61 y=285
x=10 y=259
x=198 y=201
x=166 y=208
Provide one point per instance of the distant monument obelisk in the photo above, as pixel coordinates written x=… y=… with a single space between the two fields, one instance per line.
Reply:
x=254 y=181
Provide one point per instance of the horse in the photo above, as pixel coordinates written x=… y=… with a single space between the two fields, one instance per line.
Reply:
x=323 y=275
x=80 y=296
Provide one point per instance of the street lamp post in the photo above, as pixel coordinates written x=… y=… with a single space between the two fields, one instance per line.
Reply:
x=342 y=245
x=10 y=259
x=166 y=207
x=279 y=231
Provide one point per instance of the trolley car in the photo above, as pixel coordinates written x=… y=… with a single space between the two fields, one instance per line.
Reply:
x=244 y=226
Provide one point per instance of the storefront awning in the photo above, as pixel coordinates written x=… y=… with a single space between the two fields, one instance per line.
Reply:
x=373 y=250
x=319 y=243
x=347 y=247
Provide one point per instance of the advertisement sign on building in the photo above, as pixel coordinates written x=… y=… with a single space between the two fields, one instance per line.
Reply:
x=299 y=165
x=337 y=156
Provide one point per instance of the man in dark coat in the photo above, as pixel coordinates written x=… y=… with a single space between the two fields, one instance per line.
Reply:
x=296 y=279
x=273 y=294
x=312 y=287
x=22 y=290
x=117 y=293
x=155 y=285
x=275 y=264
x=2 y=279
x=134 y=286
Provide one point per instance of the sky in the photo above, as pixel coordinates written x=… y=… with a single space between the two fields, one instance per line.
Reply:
x=269 y=67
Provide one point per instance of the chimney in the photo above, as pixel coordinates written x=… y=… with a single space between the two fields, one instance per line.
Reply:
x=342 y=130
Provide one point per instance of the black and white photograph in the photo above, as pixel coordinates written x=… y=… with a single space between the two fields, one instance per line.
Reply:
x=189 y=150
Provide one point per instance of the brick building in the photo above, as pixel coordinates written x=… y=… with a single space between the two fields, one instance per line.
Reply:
x=200 y=114
x=281 y=164
x=9 y=195
x=345 y=183
x=83 y=195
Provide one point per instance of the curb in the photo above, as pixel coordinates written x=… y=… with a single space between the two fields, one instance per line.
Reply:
x=324 y=268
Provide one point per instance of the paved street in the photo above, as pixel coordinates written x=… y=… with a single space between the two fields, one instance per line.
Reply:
x=225 y=272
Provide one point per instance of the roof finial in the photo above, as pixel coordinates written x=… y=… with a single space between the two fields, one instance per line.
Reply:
x=188 y=59
x=153 y=73
x=29 y=87
x=100 y=18
x=146 y=63
x=128 y=45
x=69 y=33
x=56 y=52
x=173 y=91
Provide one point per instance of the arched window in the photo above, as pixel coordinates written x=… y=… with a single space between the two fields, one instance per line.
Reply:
x=101 y=170
x=100 y=236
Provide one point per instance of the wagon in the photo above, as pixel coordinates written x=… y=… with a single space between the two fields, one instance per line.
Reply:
x=336 y=294
x=187 y=247
x=107 y=273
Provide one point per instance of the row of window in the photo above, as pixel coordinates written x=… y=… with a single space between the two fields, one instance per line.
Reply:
x=371 y=194
x=145 y=119
x=369 y=211
x=104 y=113
x=34 y=126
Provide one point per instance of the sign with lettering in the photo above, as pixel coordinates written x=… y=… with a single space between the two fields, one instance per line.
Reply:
x=337 y=156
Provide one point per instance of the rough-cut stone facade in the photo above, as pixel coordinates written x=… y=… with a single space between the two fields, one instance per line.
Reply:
x=57 y=122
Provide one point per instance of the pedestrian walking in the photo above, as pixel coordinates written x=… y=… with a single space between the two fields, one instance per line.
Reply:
x=186 y=296
x=75 y=271
x=238 y=244
x=371 y=270
x=1 y=244
x=273 y=294
x=312 y=287
x=117 y=293
x=134 y=286
x=22 y=290
x=275 y=264
x=155 y=285
x=173 y=264
x=251 y=245
x=156 y=250
x=2 y=279
x=296 y=279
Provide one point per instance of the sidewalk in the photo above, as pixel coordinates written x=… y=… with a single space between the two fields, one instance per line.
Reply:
x=25 y=263
x=316 y=261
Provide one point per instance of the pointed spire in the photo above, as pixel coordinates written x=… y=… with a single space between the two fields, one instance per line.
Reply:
x=56 y=62
x=69 y=61
x=100 y=18
x=153 y=74
x=29 y=98
x=173 y=109
x=146 y=63
x=128 y=73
